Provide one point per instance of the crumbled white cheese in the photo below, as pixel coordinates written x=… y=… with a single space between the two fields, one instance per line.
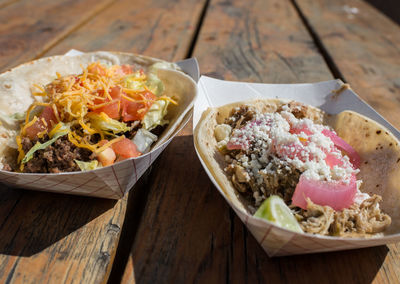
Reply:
x=360 y=197
x=299 y=142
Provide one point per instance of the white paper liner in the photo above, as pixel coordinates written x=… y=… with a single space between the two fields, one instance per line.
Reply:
x=109 y=182
x=277 y=241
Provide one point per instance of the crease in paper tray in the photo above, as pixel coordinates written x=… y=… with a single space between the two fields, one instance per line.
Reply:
x=278 y=241
x=109 y=182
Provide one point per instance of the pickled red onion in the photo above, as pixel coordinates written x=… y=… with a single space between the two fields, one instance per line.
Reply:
x=342 y=145
x=335 y=194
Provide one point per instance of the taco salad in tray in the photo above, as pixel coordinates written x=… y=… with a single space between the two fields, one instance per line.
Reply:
x=301 y=169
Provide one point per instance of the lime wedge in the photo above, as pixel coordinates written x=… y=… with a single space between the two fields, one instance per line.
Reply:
x=276 y=211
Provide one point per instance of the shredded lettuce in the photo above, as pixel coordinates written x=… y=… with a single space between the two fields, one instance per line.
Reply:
x=11 y=121
x=163 y=65
x=153 y=83
x=104 y=122
x=88 y=166
x=18 y=115
x=155 y=115
x=35 y=112
x=62 y=130
x=143 y=140
x=135 y=85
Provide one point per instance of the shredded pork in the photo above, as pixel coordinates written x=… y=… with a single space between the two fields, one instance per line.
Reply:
x=360 y=220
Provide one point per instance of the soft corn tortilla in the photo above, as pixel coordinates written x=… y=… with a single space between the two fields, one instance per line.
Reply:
x=16 y=84
x=378 y=148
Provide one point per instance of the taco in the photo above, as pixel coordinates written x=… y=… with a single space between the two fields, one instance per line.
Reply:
x=64 y=114
x=336 y=173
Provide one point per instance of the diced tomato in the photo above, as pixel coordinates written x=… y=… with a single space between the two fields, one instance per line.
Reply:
x=336 y=194
x=50 y=118
x=103 y=142
x=342 y=145
x=97 y=69
x=127 y=69
x=137 y=110
x=106 y=157
x=125 y=149
x=115 y=92
x=48 y=115
x=112 y=109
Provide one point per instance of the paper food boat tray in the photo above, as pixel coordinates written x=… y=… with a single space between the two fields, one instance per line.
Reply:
x=109 y=182
x=277 y=241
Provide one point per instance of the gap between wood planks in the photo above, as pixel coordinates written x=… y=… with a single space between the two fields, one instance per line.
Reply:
x=197 y=31
x=319 y=44
x=137 y=199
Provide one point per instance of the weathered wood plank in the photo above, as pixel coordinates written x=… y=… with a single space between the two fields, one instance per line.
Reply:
x=365 y=46
x=4 y=3
x=154 y=28
x=43 y=230
x=28 y=28
x=49 y=238
x=262 y=41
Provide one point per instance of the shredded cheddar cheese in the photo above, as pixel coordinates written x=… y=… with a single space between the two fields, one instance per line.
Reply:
x=21 y=152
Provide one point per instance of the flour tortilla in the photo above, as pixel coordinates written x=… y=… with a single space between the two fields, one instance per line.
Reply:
x=16 y=97
x=378 y=148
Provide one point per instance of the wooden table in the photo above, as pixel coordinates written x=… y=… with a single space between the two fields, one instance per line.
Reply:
x=174 y=227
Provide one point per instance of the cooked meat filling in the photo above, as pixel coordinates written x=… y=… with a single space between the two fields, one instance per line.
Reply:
x=360 y=220
x=257 y=175
x=273 y=177
x=56 y=158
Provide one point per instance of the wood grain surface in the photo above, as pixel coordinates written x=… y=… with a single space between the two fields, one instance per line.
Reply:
x=364 y=45
x=188 y=233
x=156 y=28
x=261 y=41
x=29 y=28
x=50 y=238
x=4 y=3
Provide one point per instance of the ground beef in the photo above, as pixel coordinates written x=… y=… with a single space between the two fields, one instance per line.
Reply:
x=158 y=130
x=136 y=125
x=59 y=157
